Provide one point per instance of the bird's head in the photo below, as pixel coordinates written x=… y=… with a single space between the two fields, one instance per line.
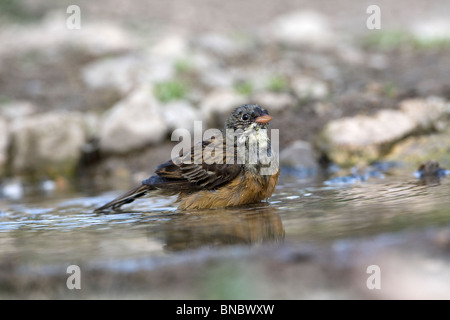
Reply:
x=247 y=117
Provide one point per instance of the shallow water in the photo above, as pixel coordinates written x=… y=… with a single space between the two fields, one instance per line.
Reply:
x=43 y=235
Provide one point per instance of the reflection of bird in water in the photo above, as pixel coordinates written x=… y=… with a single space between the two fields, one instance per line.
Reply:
x=230 y=226
x=430 y=173
x=217 y=179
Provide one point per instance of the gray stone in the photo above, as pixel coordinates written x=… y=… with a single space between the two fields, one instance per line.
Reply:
x=17 y=109
x=217 y=43
x=216 y=78
x=377 y=61
x=132 y=123
x=363 y=139
x=48 y=144
x=153 y=64
x=126 y=72
x=309 y=88
x=118 y=73
x=52 y=36
x=180 y=114
x=157 y=70
x=299 y=155
x=10 y=112
x=219 y=103
x=4 y=135
x=431 y=30
x=274 y=101
x=304 y=28
x=348 y=141
x=171 y=46
x=428 y=114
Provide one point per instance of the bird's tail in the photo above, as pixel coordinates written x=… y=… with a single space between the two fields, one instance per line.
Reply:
x=128 y=197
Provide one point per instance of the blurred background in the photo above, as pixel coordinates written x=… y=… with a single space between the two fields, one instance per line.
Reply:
x=102 y=100
x=89 y=99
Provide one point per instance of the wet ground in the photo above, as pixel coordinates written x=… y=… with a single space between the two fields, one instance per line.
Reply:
x=312 y=240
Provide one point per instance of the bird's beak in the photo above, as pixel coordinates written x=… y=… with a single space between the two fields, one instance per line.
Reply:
x=263 y=119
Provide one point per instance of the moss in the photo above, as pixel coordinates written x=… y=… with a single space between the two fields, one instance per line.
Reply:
x=183 y=66
x=277 y=83
x=387 y=40
x=244 y=88
x=170 y=90
x=393 y=39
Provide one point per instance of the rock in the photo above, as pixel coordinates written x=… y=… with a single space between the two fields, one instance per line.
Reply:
x=300 y=156
x=363 y=139
x=429 y=114
x=125 y=72
x=172 y=46
x=132 y=123
x=17 y=109
x=216 y=78
x=303 y=28
x=52 y=36
x=118 y=73
x=274 y=101
x=4 y=135
x=217 y=44
x=350 y=54
x=218 y=104
x=432 y=30
x=377 y=61
x=309 y=88
x=10 y=112
x=348 y=141
x=180 y=114
x=158 y=70
x=418 y=149
x=49 y=144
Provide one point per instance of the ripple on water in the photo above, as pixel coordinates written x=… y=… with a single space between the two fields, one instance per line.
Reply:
x=309 y=212
x=77 y=213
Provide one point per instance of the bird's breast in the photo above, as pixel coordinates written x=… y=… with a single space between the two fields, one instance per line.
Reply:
x=246 y=188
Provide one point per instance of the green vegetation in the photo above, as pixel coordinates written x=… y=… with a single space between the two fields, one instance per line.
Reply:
x=432 y=43
x=15 y=10
x=170 y=90
x=387 y=40
x=390 y=90
x=183 y=66
x=393 y=39
x=277 y=83
x=244 y=87
x=4 y=99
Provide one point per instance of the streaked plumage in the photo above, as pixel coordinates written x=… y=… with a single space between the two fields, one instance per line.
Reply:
x=212 y=182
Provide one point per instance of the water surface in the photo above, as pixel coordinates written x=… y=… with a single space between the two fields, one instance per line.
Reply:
x=42 y=235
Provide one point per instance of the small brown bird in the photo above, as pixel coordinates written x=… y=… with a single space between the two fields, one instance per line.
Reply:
x=219 y=176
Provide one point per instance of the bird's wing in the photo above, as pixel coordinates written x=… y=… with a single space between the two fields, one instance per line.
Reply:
x=205 y=167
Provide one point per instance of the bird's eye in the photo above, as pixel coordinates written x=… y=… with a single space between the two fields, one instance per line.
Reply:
x=245 y=117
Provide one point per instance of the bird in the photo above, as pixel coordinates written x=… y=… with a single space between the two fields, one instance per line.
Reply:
x=223 y=174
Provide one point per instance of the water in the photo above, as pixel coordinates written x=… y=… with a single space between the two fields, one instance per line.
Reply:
x=41 y=236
